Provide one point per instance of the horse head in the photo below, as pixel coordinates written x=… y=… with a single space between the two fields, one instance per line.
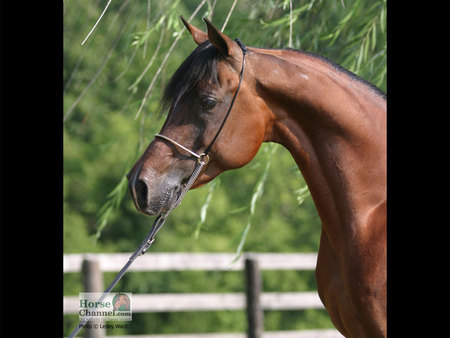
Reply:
x=198 y=98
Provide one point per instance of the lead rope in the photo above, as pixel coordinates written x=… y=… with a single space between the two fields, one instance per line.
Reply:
x=150 y=238
x=202 y=160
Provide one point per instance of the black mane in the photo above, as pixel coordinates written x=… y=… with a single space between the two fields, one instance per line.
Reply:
x=339 y=68
x=200 y=65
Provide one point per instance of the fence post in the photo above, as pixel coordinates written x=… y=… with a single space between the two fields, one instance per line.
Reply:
x=93 y=282
x=253 y=288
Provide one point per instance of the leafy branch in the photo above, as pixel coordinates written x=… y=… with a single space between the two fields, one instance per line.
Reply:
x=257 y=194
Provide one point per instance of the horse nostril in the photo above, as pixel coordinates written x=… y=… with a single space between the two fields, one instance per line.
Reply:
x=141 y=193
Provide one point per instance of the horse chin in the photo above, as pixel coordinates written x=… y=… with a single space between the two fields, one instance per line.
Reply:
x=164 y=202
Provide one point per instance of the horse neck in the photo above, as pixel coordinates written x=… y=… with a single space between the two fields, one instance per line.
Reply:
x=335 y=128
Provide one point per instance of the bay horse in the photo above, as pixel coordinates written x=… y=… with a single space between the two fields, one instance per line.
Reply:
x=332 y=122
x=121 y=300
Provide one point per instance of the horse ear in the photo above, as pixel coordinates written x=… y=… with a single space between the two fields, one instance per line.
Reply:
x=222 y=42
x=198 y=35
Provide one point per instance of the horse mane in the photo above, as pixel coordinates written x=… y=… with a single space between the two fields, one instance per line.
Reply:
x=201 y=64
x=341 y=69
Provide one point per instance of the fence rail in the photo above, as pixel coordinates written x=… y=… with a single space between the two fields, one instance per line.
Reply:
x=212 y=302
x=182 y=261
x=256 y=301
x=324 y=333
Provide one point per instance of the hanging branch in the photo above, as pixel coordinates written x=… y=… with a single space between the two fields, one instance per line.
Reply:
x=107 y=5
x=163 y=63
x=147 y=24
x=105 y=61
x=290 y=23
x=229 y=15
x=257 y=194
x=151 y=60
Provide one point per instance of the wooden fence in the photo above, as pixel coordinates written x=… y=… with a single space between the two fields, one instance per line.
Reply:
x=254 y=300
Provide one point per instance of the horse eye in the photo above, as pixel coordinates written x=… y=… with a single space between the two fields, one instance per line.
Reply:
x=207 y=103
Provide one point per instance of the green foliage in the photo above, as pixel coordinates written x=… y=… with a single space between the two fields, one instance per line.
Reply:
x=112 y=85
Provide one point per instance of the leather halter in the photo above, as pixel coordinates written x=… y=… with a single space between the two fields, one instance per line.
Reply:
x=204 y=156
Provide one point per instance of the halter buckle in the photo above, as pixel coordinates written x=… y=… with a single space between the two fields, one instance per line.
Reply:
x=203 y=158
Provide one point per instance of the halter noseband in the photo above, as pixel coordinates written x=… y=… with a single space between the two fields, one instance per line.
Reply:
x=204 y=156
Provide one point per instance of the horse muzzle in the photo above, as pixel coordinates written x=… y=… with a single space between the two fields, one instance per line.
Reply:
x=154 y=194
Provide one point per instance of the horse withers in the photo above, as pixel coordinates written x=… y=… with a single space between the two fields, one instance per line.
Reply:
x=332 y=122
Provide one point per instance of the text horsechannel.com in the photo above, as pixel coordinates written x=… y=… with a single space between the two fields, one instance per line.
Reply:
x=115 y=307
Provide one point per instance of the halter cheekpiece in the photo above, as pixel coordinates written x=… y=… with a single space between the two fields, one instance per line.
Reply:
x=208 y=149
